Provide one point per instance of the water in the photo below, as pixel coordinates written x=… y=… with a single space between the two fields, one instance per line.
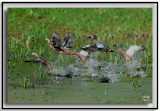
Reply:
x=82 y=85
x=71 y=92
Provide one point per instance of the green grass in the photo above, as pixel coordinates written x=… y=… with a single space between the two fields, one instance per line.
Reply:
x=27 y=28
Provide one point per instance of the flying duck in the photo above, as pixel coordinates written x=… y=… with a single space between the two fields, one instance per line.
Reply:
x=129 y=53
x=41 y=60
x=100 y=45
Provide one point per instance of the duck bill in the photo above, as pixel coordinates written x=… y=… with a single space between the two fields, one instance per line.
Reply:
x=108 y=52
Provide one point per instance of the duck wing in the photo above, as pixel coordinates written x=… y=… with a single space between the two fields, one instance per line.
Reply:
x=66 y=37
x=90 y=48
x=99 y=45
x=56 y=40
x=68 y=40
x=104 y=47
x=132 y=49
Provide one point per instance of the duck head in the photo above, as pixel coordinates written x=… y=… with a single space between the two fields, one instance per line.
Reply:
x=93 y=37
x=47 y=39
x=34 y=53
x=118 y=45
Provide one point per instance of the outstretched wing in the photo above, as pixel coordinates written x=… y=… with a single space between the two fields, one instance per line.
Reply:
x=91 y=48
x=56 y=39
x=66 y=37
x=56 y=36
x=64 y=43
x=68 y=40
x=132 y=49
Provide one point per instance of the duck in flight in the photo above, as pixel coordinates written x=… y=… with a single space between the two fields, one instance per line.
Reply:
x=129 y=53
x=100 y=45
x=41 y=60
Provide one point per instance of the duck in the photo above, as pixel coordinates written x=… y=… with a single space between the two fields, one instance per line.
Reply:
x=62 y=51
x=56 y=39
x=129 y=53
x=100 y=45
x=87 y=49
x=67 y=51
x=68 y=41
x=41 y=60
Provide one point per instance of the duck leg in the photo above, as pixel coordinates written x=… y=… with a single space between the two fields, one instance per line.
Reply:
x=61 y=53
x=71 y=54
x=85 y=62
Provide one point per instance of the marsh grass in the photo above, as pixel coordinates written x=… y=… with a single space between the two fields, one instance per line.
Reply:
x=27 y=28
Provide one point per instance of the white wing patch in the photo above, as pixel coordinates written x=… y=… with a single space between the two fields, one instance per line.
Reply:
x=85 y=53
x=132 y=49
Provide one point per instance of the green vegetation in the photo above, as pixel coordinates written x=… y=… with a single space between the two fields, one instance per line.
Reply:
x=27 y=28
x=136 y=83
x=25 y=82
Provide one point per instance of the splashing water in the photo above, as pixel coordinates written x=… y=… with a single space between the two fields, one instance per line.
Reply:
x=96 y=69
x=134 y=69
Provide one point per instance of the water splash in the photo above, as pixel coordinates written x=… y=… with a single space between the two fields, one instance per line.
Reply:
x=134 y=69
x=100 y=69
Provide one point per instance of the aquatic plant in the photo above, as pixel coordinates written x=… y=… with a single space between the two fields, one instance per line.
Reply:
x=25 y=82
x=105 y=93
x=123 y=101
x=136 y=83
x=108 y=102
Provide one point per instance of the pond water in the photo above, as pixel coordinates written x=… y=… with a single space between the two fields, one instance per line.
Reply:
x=33 y=83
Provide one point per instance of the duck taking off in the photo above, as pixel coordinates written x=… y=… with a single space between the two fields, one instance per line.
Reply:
x=68 y=40
x=41 y=60
x=101 y=45
x=129 y=53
